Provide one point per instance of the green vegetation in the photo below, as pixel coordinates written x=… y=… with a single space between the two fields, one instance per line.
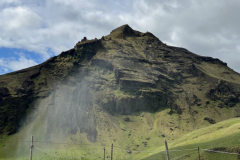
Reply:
x=128 y=138
x=13 y=110
x=223 y=136
x=229 y=142
x=78 y=56
x=118 y=92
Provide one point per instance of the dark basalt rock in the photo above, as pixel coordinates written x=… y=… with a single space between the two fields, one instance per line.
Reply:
x=210 y=120
x=212 y=60
x=102 y=64
x=122 y=32
x=229 y=93
x=4 y=92
x=126 y=119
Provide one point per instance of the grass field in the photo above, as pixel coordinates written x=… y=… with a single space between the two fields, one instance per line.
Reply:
x=223 y=136
x=129 y=140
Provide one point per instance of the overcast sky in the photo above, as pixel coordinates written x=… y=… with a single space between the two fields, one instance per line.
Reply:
x=31 y=31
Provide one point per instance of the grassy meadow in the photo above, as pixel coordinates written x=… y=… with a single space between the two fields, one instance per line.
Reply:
x=138 y=139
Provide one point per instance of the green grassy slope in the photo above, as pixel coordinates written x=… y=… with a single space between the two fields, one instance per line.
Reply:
x=223 y=136
x=128 y=138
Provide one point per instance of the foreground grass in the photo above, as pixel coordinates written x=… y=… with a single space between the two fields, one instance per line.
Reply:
x=225 y=135
x=230 y=141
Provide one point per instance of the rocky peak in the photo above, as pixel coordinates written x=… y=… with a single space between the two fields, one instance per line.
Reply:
x=90 y=43
x=125 y=31
x=84 y=39
x=122 y=31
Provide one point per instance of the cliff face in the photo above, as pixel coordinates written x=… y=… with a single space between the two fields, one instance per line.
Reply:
x=125 y=72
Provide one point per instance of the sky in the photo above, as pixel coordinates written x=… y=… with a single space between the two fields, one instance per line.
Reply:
x=32 y=31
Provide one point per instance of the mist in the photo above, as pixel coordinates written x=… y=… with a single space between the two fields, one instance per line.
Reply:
x=66 y=117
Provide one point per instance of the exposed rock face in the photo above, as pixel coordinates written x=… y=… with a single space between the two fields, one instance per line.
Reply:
x=229 y=93
x=209 y=120
x=125 y=72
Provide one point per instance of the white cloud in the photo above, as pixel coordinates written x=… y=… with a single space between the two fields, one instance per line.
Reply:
x=5 y=70
x=16 y=18
x=238 y=48
x=52 y=26
x=13 y=64
x=7 y=2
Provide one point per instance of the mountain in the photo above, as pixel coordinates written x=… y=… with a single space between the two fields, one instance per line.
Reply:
x=127 y=88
